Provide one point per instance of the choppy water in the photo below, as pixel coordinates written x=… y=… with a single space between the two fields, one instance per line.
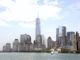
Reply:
x=38 y=56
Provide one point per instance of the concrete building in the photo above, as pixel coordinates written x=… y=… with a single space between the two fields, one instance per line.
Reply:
x=25 y=42
x=79 y=44
x=29 y=47
x=16 y=45
x=7 y=47
x=71 y=38
x=35 y=44
x=77 y=40
x=43 y=42
x=4 y=48
x=50 y=43
x=24 y=38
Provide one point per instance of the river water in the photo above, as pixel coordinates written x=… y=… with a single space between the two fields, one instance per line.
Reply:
x=38 y=56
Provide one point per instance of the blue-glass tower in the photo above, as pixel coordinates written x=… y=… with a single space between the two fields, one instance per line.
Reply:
x=38 y=33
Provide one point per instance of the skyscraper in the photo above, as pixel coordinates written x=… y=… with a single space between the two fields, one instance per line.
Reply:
x=38 y=33
x=61 y=36
x=79 y=44
x=50 y=43
x=25 y=42
x=77 y=39
x=57 y=36
x=16 y=45
x=70 y=40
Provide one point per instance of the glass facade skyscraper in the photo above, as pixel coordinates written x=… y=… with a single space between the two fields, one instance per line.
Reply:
x=61 y=36
x=38 y=34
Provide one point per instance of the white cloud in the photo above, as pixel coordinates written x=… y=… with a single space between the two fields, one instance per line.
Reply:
x=24 y=25
x=7 y=3
x=26 y=10
x=48 y=11
x=4 y=24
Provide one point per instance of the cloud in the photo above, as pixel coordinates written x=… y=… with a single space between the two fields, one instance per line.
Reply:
x=24 y=25
x=3 y=24
x=26 y=10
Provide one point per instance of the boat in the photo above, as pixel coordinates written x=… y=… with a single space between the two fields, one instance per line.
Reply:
x=53 y=52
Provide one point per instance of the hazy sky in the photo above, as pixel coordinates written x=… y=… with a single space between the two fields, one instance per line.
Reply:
x=18 y=17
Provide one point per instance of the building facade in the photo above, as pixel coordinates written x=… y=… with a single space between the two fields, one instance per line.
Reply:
x=71 y=38
x=25 y=42
x=50 y=43
x=79 y=44
x=38 y=34
x=61 y=36
x=16 y=45
x=77 y=40
x=7 y=47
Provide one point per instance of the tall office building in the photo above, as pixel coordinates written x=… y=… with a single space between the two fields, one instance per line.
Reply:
x=43 y=42
x=16 y=45
x=50 y=43
x=71 y=38
x=25 y=42
x=38 y=34
x=61 y=36
x=77 y=39
x=57 y=37
x=79 y=44
x=24 y=38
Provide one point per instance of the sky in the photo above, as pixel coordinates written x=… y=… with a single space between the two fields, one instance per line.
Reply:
x=18 y=17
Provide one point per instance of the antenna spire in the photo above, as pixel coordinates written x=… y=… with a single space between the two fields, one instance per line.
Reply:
x=38 y=12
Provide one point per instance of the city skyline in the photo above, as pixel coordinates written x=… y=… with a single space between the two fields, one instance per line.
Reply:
x=18 y=17
x=65 y=41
